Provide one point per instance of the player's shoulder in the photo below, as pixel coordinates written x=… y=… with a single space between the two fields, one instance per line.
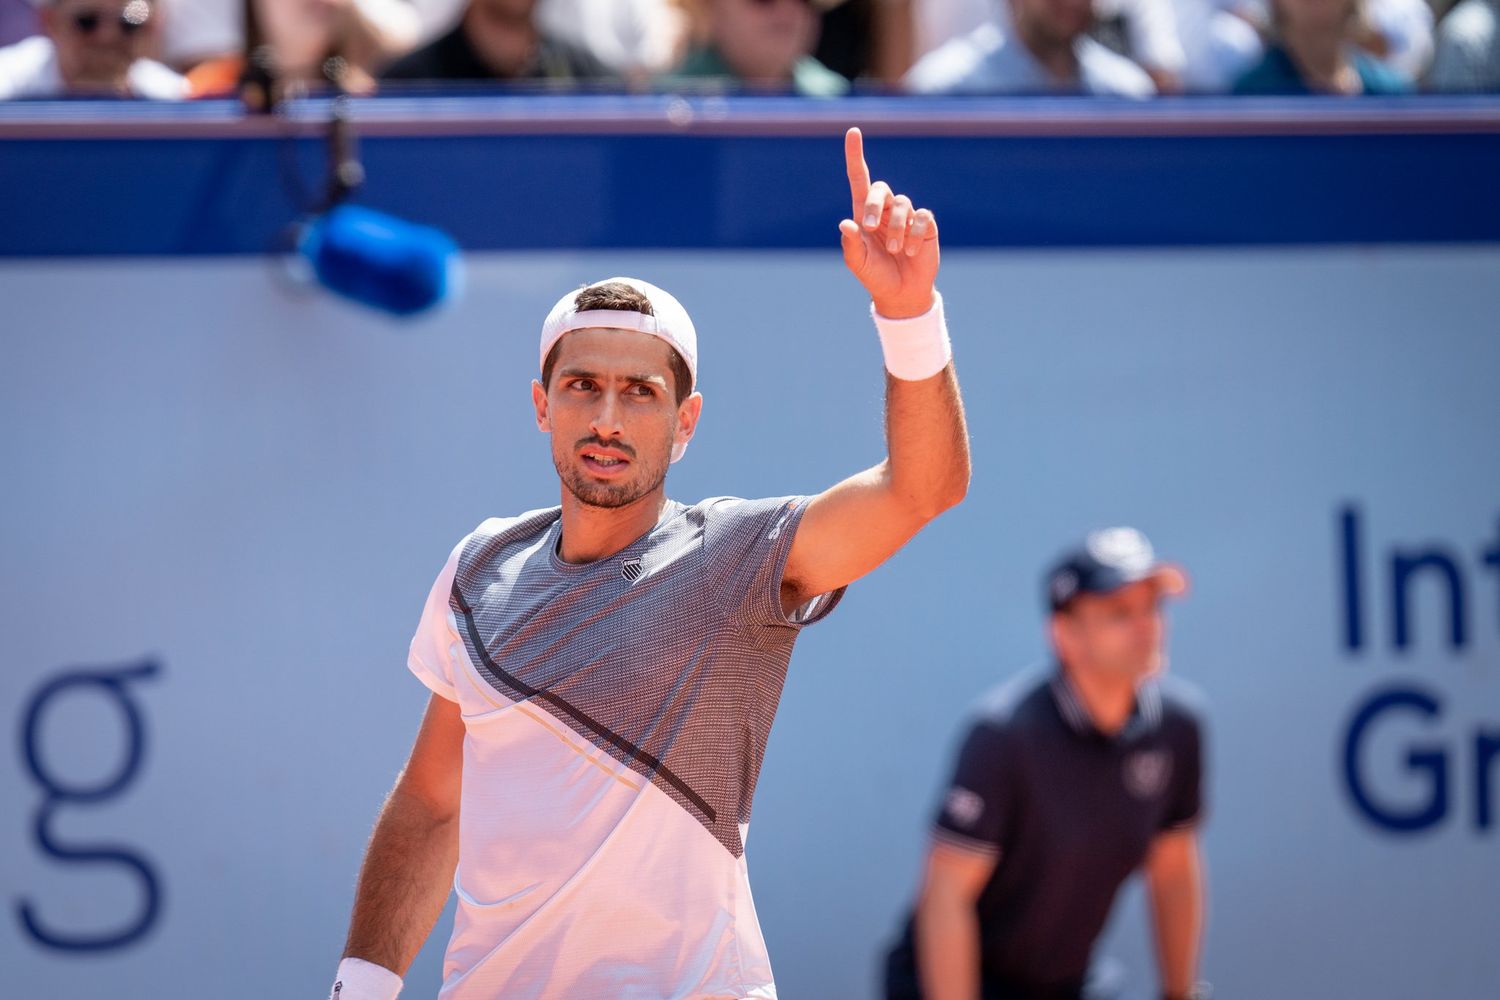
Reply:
x=1183 y=703
x=497 y=533
x=728 y=510
x=727 y=503
x=532 y=522
x=1015 y=704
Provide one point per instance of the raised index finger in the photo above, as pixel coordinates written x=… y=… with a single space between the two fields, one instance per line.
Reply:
x=855 y=166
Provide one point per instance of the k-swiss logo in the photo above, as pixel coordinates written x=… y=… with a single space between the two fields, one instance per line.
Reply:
x=963 y=807
x=630 y=569
x=1147 y=773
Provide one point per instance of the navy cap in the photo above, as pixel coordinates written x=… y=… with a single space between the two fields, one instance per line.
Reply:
x=1106 y=561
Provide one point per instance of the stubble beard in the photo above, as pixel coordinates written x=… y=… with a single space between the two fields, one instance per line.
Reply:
x=608 y=496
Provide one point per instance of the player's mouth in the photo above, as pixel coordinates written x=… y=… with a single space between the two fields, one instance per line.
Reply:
x=605 y=462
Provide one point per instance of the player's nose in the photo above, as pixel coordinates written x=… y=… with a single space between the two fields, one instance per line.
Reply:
x=607 y=418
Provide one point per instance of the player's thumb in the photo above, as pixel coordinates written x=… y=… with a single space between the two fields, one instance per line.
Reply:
x=854 y=245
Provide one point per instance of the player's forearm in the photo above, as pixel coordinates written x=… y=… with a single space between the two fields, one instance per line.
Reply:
x=1177 y=911
x=403 y=883
x=928 y=440
x=947 y=941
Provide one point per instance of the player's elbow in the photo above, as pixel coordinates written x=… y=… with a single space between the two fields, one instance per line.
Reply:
x=429 y=803
x=939 y=496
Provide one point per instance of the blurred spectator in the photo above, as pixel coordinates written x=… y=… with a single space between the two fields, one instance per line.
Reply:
x=631 y=38
x=763 y=45
x=497 y=40
x=937 y=22
x=1468 y=49
x=302 y=35
x=193 y=31
x=1144 y=30
x=17 y=21
x=1314 y=50
x=1399 y=34
x=1041 y=48
x=871 y=39
x=1148 y=34
x=89 y=48
x=1221 y=40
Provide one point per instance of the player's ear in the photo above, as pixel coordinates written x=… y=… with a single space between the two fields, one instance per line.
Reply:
x=539 y=400
x=1057 y=626
x=688 y=412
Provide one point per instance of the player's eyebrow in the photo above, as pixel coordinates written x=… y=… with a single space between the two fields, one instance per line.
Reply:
x=656 y=380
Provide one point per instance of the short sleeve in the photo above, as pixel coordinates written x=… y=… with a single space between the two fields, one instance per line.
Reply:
x=976 y=804
x=431 y=655
x=746 y=545
x=1185 y=805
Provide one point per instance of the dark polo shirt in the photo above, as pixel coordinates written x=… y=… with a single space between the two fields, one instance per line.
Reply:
x=1067 y=813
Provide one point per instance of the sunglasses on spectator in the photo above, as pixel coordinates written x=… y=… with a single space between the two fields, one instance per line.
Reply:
x=132 y=19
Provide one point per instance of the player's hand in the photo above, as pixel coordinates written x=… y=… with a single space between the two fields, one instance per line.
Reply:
x=891 y=247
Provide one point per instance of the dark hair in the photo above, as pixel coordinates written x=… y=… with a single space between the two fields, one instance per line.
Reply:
x=620 y=296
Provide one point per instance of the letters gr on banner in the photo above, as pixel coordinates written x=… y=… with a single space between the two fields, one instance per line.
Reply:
x=57 y=792
x=1432 y=761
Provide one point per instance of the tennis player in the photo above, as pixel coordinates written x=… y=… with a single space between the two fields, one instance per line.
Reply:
x=604 y=673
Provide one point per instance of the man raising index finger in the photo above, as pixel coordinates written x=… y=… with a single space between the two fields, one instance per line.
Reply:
x=848 y=530
x=605 y=672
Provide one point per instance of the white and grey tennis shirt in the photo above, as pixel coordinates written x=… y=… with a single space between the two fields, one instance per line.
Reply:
x=616 y=717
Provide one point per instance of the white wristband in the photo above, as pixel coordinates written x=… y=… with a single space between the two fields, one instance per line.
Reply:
x=361 y=980
x=915 y=348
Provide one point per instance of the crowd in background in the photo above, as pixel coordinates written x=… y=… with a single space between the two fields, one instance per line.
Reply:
x=185 y=49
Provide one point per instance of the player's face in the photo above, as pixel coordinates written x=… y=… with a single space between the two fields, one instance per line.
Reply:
x=613 y=415
x=1122 y=633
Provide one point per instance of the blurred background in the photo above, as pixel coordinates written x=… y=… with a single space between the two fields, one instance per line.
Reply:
x=271 y=276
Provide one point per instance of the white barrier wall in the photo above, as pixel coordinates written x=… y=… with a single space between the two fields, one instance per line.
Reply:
x=225 y=500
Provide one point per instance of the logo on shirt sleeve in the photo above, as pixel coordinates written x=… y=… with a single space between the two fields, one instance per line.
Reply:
x=963 y=807
x=1147 y=773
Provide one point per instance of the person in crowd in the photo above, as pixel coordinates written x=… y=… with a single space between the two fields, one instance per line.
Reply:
x=89 y=48
x=1042 y=47
x=1069 y=780
x=498 y=40
x=871 y=40
x=1398 y=33
x=1146 y=32
x=196 y=31
x=1221 y=41
x=1467 y=59
x=634 y=39
x=1314 y=50
x=760 y=45
x=310 y=44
